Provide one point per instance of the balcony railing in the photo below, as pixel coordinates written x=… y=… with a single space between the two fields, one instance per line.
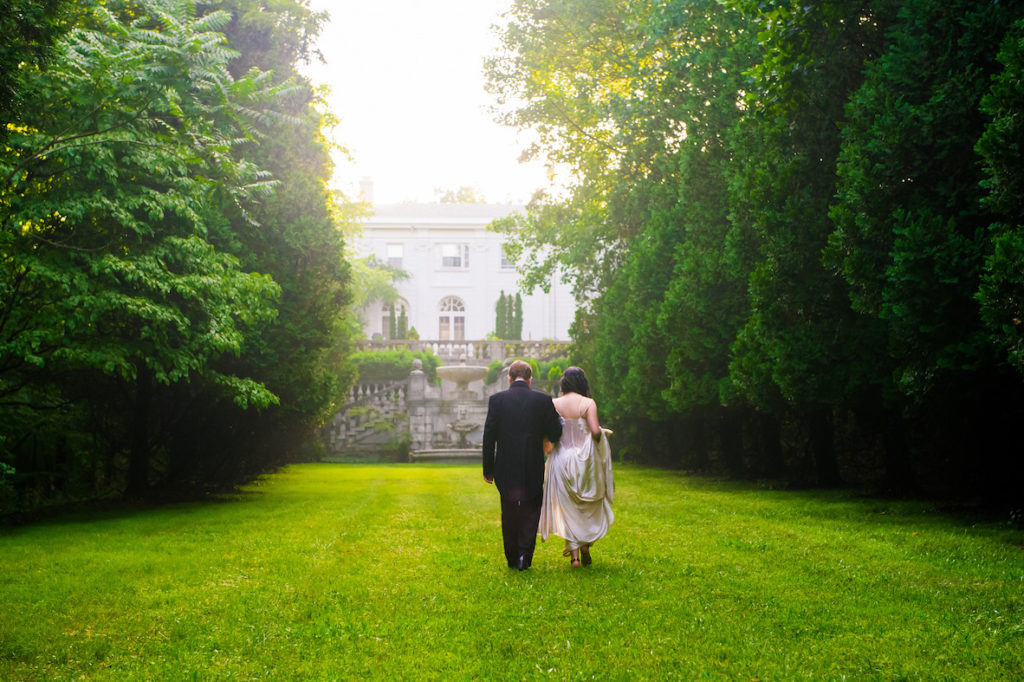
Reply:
x=474 y=351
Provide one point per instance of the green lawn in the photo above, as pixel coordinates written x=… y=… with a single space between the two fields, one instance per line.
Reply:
x=340 y=571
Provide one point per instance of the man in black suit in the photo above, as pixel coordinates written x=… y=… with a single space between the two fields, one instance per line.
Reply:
x=518 y=420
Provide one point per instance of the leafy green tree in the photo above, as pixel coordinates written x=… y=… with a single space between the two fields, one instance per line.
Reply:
x=297 y=235
x=632 y=96
x=800 y=328
x=108 y=207
x=773 y=218
x=373 y=281
x=136 y=221
x=705 y=300
x=913 y=229
x=608 y=94
x=910 y=260
x=569 y=72
x=31 y=29
x=1001 y=292
x=629 y=346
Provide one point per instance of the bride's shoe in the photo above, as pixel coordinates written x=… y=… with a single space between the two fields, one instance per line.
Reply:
x=575 y=563
x=585 y=556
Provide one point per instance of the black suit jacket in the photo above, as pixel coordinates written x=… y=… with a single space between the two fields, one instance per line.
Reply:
x=517 y=422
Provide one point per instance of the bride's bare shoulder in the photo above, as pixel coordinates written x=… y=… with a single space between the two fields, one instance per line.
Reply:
x=561 y=404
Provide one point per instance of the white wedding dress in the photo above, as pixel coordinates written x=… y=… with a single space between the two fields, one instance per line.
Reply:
x=578 y=487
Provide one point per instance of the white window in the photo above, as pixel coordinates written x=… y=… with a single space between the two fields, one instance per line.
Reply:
x=455 y=256
x=452 y=319
x=395 y=255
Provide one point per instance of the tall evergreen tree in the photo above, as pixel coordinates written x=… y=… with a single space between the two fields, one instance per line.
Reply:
x=778 y=209
x=913 y=230
x=501 y=317
x=517 y=317
x=403 y=324
x=293 y=235
x=1001 y=293
x=800 y=329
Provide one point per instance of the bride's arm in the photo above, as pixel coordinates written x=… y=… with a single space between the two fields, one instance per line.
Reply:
x=592 y=423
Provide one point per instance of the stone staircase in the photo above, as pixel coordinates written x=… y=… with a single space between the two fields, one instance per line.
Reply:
x=379 y=416
x=374 y=414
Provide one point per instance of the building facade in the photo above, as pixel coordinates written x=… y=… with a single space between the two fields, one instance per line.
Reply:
x=457 y=272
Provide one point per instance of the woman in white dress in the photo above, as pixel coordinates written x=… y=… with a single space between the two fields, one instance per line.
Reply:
x=578 y=484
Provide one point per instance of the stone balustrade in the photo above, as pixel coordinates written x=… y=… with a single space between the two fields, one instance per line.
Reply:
x=379 y=414
x=367 y=392
x=479 y=351
x=370 y=406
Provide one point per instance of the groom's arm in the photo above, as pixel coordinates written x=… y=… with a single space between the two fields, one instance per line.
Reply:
x=490 y=438
x=552 y=422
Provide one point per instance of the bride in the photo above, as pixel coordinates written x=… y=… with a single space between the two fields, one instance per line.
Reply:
x=578 y=485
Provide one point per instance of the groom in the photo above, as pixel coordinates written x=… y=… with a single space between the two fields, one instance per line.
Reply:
x=517 y=422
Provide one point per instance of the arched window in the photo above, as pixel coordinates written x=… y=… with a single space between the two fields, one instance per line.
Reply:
x=399 y=328
x=452 y=319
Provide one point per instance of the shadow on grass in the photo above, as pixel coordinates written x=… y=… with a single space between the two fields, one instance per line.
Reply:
x=850 y=504
x=776 y=498
x=119 y=508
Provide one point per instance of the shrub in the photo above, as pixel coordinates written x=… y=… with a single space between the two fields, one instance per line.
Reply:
x=494 y=371
x=548 y=374
x=392 y=365
x=545 y=374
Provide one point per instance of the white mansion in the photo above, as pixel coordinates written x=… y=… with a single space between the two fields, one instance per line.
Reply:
x=457 y=272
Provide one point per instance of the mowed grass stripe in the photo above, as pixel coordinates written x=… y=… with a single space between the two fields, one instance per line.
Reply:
x=341 y=571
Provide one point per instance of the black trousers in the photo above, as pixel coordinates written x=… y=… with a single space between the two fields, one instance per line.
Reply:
x=519 y=521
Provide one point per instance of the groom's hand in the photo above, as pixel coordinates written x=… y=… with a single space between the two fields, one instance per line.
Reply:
x=489 y=479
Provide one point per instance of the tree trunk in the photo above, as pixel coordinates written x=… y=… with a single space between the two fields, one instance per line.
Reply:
x=138 y=456
x=877 y=418
x=823 y=448
x=63 y=465
x=731 y=439
x=772 y=462
x=898 y=470
x=699 y=442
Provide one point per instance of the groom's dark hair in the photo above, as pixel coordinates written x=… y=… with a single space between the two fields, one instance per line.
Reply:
x=520 y=370
x=575 y=381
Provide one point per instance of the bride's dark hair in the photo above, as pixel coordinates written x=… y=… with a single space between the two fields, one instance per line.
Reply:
x=575 y=381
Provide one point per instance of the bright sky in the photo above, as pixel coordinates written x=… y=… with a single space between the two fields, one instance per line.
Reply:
x=406 y=81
